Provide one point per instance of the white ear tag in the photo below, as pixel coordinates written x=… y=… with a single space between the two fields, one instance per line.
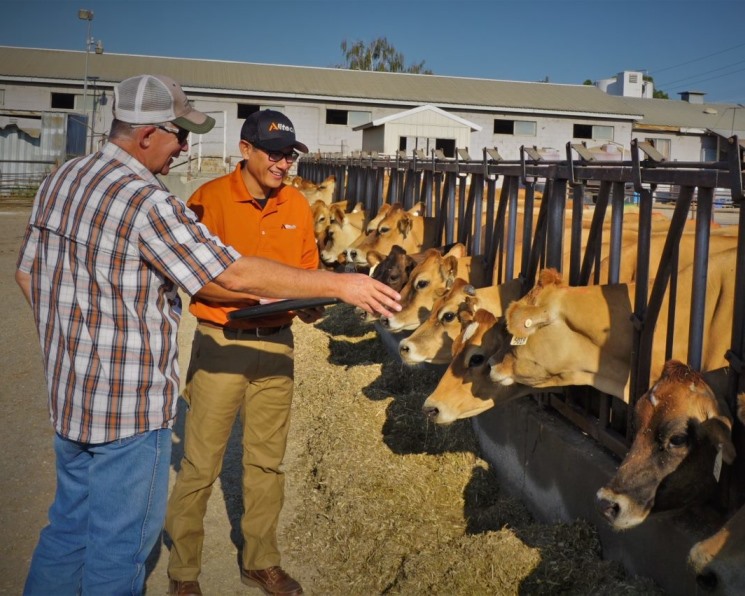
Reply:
x=718 y=463
x=518 y=341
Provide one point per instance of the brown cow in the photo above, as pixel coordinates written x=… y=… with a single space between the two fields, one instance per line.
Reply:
x=394 y=268
x=433 y=340
x=584 y=336
x=410 y=231
x=343 y=228
x=465 y=389
x=593 y=326
x=683 y=433
x=320 y=192
x=719 y=560
x=430 y=280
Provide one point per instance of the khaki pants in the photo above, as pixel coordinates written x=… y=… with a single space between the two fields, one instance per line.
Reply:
x=254 y=377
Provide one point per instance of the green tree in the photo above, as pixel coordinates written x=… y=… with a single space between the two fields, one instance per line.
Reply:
x=657 y=93
x=377 y=55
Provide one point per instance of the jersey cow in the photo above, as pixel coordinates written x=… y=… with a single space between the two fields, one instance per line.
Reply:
x=342 y=229
x=408 y=229
x=558 y=335
x=682 y=436
x=430 y=280
x=433 y=340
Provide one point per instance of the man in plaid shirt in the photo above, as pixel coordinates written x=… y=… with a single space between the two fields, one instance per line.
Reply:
x=105 y=251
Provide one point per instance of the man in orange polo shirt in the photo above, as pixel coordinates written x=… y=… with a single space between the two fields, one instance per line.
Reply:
x=243 y=366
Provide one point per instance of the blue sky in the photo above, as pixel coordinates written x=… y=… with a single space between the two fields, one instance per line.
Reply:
x=685 y=45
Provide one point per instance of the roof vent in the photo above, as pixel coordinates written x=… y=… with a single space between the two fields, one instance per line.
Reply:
x=710 y=111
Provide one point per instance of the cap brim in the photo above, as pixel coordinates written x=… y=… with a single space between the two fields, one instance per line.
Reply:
x=301 y=147
x=195 y=121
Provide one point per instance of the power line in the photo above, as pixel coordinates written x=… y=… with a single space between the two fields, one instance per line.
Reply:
x=659 y=70
x=670 y=83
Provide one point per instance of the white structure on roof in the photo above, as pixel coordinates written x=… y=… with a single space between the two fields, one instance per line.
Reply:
x=629 y=83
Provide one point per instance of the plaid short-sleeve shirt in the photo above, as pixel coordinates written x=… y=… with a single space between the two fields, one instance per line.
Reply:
x=104 y=246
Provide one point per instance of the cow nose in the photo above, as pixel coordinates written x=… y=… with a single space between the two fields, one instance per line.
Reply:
x=384 y=321
x=707 y=580
x=431 y=412
x=608 y=509
x=403 y=348
x=353 y=254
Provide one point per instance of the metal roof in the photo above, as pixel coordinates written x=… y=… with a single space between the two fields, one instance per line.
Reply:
x=329 y=84
x=685 y=115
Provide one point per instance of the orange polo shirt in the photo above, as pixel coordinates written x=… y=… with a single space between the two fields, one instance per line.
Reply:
x=282 y=231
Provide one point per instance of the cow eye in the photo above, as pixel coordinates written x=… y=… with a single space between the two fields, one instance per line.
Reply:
x=322 y=218
x=448 y=317
x=421 y=284
x=678 y=440
x=476 y=360
x=384 y=230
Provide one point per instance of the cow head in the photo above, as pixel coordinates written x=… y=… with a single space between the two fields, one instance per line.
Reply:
x=718 y=561
x=342 y=229
x=465 y=389
x=682 y=435
x=392 y=269
x=429 y=280
x=433 y=340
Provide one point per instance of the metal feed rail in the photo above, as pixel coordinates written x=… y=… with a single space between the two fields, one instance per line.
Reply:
x=458 y=192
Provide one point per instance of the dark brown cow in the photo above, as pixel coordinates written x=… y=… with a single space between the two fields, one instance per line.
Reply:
x=682 y=436
x=719 y=561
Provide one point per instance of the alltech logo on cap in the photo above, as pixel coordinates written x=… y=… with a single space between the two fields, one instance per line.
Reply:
x=278 y=126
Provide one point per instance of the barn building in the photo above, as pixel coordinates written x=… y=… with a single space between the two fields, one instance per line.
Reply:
x=48 y=113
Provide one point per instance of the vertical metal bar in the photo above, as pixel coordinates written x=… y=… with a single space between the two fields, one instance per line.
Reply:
x=704 y=206
x=616 y=232
x=555 y=230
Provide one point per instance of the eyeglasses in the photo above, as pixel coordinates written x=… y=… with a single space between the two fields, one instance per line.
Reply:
x=276 y=156
x=181 y=133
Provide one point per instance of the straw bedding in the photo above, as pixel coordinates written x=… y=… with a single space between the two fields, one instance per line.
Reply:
x=382 y=502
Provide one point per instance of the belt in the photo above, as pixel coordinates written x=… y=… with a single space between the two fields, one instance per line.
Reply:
x=235 y=333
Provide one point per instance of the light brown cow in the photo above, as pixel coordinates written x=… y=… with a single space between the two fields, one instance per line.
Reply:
x=320 y=192
x=593 y=327
x=683 y=433
x=719 y=560
x=584 y=336
x=412 y=232
x=430 y=280
x=465 y=389
x=433 y=340
x=343 y=228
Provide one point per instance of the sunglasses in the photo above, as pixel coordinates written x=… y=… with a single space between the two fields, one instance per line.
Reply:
x=276 y=156
x=181 y=133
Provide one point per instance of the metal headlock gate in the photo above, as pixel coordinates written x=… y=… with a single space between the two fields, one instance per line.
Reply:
x=460 y=193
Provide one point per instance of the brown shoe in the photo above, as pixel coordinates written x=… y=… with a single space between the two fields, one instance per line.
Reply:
x=187 y=588
x=273 y=581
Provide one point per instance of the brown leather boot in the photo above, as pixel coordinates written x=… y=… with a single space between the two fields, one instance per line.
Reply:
x=273 y=581
x=185 y=588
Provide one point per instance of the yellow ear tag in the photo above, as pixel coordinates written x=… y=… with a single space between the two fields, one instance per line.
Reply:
x=518 y=341
x=718 y=463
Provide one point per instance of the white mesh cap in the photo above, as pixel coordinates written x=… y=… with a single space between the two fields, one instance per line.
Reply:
x=155 y=99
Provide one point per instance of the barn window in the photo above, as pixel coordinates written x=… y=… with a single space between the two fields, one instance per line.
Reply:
x=63 y=101
x=525 y=128
x=246 y=109
x=336 y=116
x=588 y=131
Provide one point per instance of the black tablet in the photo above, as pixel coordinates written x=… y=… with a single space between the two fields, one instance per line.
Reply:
x=262 y=310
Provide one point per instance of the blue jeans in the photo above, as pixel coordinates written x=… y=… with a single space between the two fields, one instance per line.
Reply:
x=106 y=516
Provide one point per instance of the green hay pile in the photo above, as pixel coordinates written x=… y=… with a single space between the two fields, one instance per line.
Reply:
x=388 y=503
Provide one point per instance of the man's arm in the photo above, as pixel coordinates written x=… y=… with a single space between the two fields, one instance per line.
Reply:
x=264 y=277
x=213 y=292
x=24 y=281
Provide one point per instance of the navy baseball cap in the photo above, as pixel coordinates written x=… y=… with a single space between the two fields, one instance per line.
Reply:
x=271 y=130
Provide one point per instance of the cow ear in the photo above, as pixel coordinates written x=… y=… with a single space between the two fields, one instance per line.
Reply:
x=458 y=250
x=373 y=257
x=337 y=214
x=358 y=207
x=523 y=320
x=404 y=225
x=450 y=269
x=417 y=210
x=718 y=430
